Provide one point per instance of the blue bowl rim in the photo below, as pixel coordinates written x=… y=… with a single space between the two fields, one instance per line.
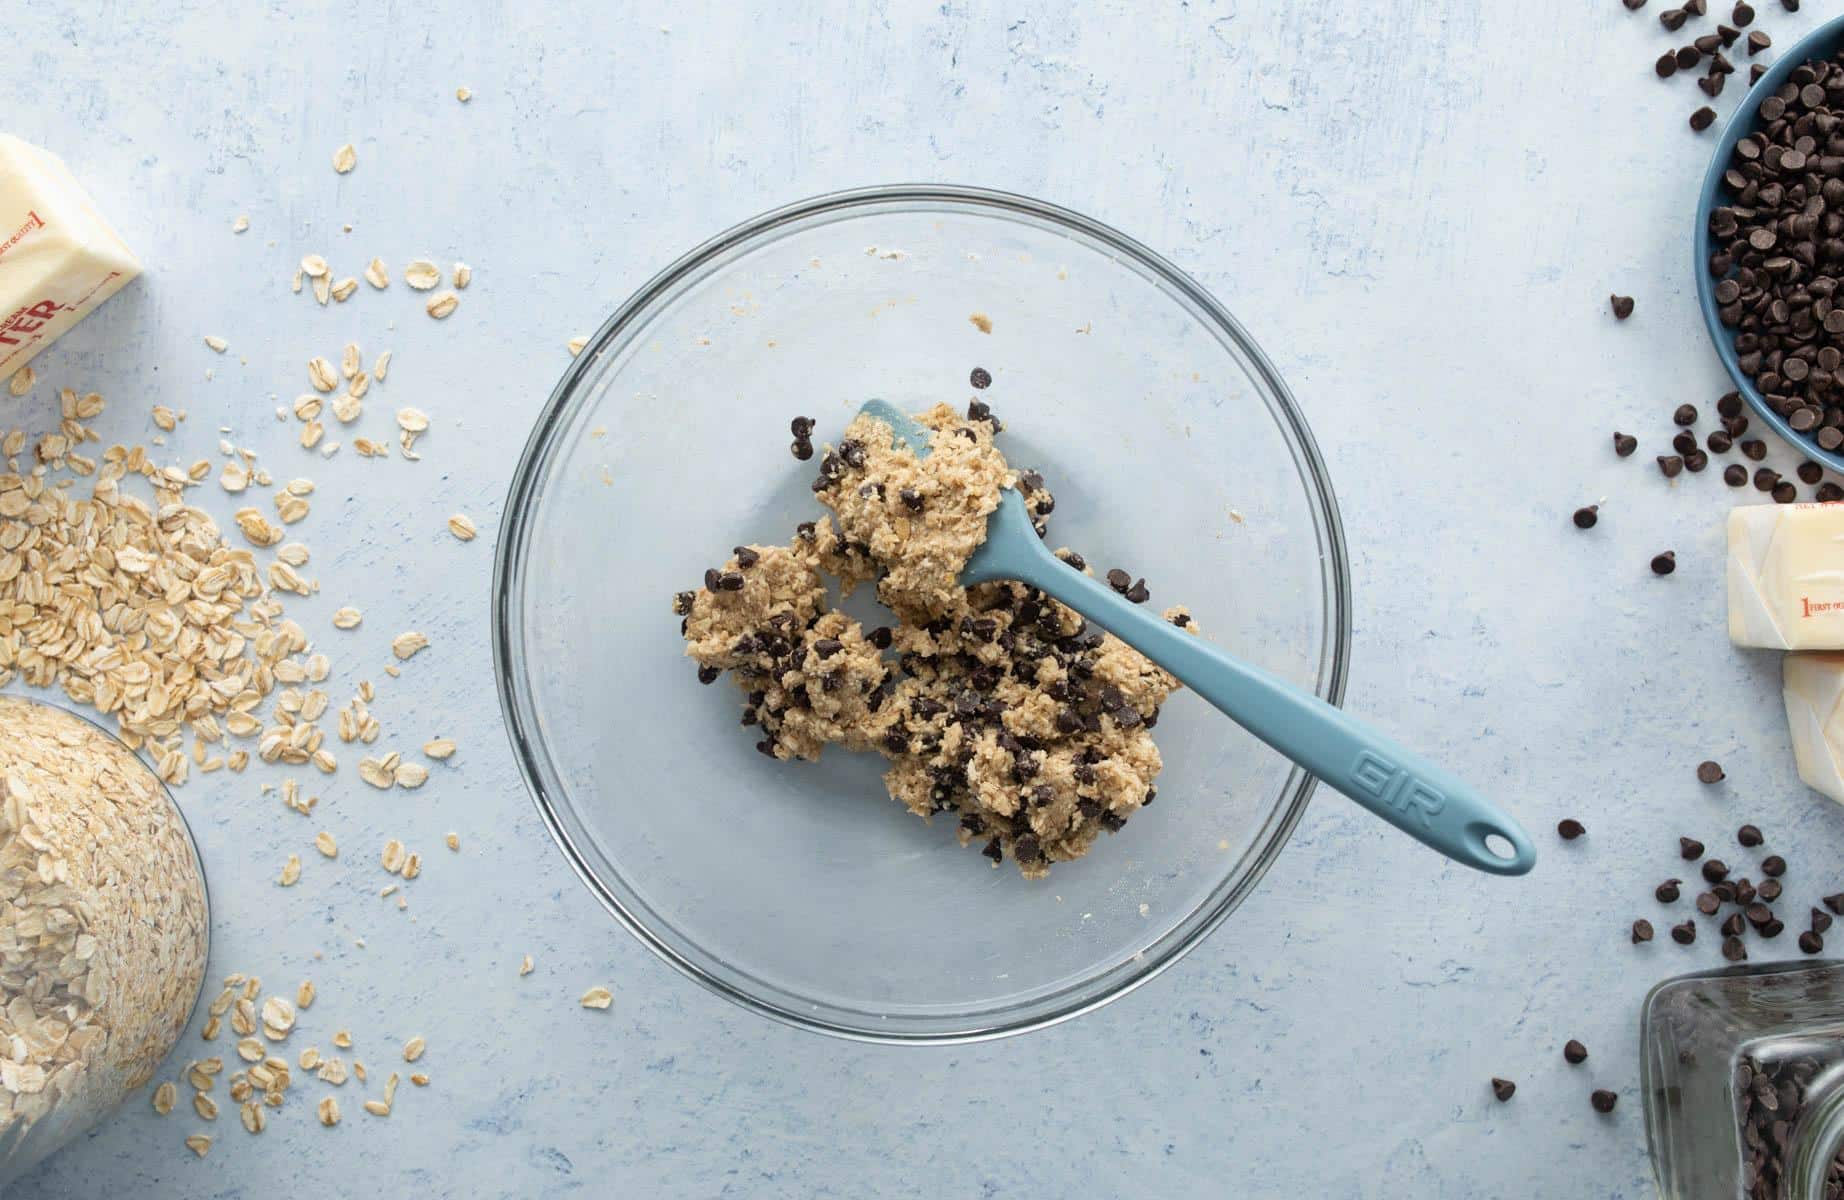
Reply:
x=1823 y=41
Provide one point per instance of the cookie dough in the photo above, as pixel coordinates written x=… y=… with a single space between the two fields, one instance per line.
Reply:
x=995 y=703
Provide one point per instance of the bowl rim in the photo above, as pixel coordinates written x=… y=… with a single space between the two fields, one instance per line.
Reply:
x=1040 y=1011
x=1822 y=40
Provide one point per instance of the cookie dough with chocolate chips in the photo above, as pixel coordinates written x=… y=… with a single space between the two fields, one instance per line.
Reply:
x=993 y=702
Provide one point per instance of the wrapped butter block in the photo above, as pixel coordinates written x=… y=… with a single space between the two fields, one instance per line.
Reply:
x=58 y=258
x=1786 y=576
x=1813 y=685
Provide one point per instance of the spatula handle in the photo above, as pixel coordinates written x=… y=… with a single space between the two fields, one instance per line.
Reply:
x=1416 y=796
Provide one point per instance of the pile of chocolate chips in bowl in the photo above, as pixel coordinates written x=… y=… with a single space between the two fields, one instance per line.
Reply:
x=1780 y=252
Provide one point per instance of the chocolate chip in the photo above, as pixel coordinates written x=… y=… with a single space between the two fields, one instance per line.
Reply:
x=1811 y=943
x=912 y=499
x=1709 y=771
x=708 y=675
x=1670 y=465
x=1574 y=1053
x=1719 y=441
x=730 y=581
x=1749 y=835
x=1119 y=580
x=682 y=603
x=1684 y=934
x=1828 y=492
x=1821 y=920
x=1622 y=306
x=1603 y=1100
x=1708 y=903
x=1703 y=118
x=1743 y=15
x=1667 y=65
x=1673 y=19
x=745 y=557
x=1773 y=866
x=1503 y=1089
x=1785 y=493
x=1664 y=564
x=1734 y=950
x=1735 y=475
x=1744 y=891
x=1711 y=84
x=1732 y=926
x=1755 y=449
x=1686 y=414
x=1642 y=931
x=1138 y=593
x=1768 y=890
x=1715 y=870
x=1667 y=892
x=1766 y=479
x=1685 y=442
x=980 y=378
x=1569 y=829
x=993 y=851
x=1624 y=444
x=1757 y=42
x=1835 y=902
x=1690 y=849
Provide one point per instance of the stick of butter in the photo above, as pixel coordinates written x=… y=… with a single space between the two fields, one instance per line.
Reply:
x=58 y=258
x=1786 y=576
x=1813 y=686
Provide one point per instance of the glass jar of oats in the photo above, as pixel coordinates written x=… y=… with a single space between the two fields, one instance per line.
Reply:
x=104 y=928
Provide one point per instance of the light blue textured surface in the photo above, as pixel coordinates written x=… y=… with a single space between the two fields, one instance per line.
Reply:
x=1418 y=208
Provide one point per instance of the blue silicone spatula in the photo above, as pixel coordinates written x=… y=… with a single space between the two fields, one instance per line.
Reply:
x=1411 y=793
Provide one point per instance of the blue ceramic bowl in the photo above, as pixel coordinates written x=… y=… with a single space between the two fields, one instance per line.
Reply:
x=1822 y=42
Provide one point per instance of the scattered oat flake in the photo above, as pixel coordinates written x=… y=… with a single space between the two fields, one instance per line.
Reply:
x=464 y=94
x=345 y=158
x=576 y=345
x=598 y=997
x=241 y=224
x=216 y=343
x=462 y=275
x=382 y=367
x=199 y=1144
x=377 y=1108
x=404 y=645
x=323 y=842
x=164 y=1097
x=525 y=966
x=304 y=995
x=342 y=291
x=412 y=420
x=461 y=527
x=419 y=1079
x=422 y=274
x=291 y=871
x=413 y=1049
x=320 y=374
x=343 y=1039
x=328 y=1110
x=453 y=841
x=439 y=748
x=314 y=266
x=22 y=381
x=347 y=618
x=412 y=775
x=377 y=274
x=442 y=305
x=981 y=322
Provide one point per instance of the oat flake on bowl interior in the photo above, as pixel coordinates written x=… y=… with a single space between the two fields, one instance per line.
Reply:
x=103 y=927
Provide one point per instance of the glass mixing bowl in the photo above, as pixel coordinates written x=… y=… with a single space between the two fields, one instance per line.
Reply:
x=803 y=891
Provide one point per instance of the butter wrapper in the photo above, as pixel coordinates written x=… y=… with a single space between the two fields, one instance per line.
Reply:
x=1786 y=576
x=1813 y=686
x=59 y=258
